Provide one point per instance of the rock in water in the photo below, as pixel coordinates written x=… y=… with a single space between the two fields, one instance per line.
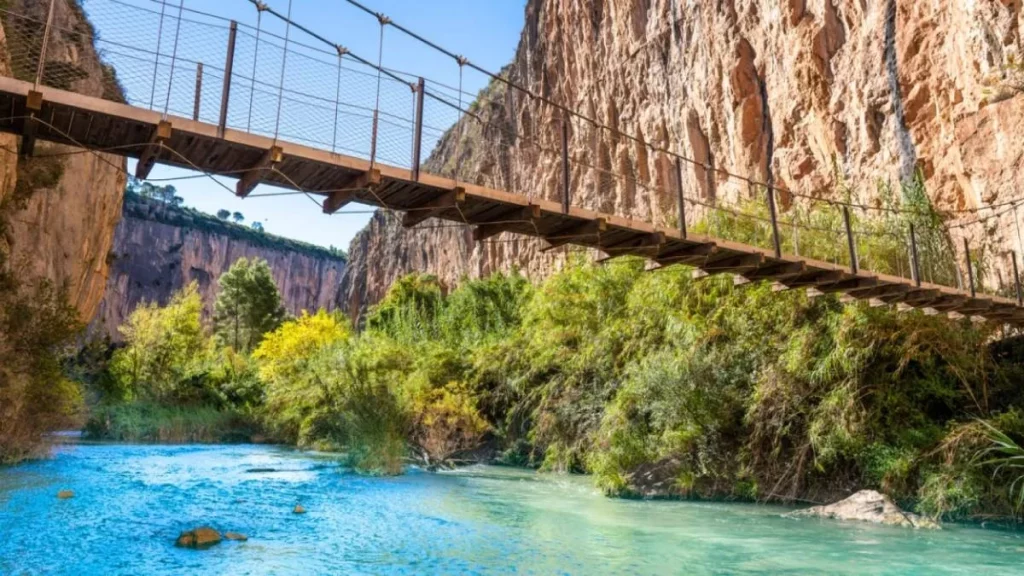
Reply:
x=235 y=536
x=202 y=537
x=65 y=494
x=867 y=506
x=299 y=509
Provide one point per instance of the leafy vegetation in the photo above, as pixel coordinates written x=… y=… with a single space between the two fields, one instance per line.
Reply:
x=248 y=305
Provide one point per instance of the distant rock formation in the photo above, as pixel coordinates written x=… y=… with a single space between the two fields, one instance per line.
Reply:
x=159 y=248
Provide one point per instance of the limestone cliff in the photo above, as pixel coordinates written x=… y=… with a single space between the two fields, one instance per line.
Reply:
x=60 y=208
x=801 y=93
x=159 y=248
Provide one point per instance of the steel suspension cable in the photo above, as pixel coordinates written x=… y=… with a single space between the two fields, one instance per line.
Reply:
x=174 y=56
x=284 y=62
x=260 y=7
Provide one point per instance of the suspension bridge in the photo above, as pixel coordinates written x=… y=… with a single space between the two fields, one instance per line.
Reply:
x=298 y=111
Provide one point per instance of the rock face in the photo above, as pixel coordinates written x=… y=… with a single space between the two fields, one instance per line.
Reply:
x=811 y=95
x=62 y=229
x=159 y=249
x=867 y=506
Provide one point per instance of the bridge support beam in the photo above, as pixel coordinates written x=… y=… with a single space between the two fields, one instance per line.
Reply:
x=449 y=199
x=574 y=233
x=777 y=271
x=736 y=264
x=33 y=105
x=688 y=255
x=644 y=243
x=528 y=214
x=345 y=193
x=161 y=133
x=252 y=176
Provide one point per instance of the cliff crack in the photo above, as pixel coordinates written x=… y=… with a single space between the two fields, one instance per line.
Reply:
x=908 y=152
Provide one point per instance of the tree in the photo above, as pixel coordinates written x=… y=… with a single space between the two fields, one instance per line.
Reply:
x=257 y=226
x=223 y=214
x=237 y=217
x=248 y=305
x=163 y=347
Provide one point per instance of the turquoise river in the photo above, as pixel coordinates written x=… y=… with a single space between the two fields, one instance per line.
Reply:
x=131 y=501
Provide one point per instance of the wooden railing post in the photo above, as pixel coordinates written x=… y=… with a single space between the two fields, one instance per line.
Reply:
x=915 y=266
x=565 y=164
x=970 y=269
x=199 y=91
x=417 y=136
x=850 y=244
x=679 y=197
x=225 y=94
x=776 y=241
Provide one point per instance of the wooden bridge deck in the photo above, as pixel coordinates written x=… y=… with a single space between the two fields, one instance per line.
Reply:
x=97 y=124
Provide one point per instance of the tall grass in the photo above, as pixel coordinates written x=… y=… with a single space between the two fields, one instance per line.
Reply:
x=150 y=422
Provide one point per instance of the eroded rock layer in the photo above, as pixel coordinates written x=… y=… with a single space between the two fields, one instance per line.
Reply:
x=807 y=94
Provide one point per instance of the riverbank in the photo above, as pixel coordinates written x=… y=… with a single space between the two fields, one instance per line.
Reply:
x=477 y=520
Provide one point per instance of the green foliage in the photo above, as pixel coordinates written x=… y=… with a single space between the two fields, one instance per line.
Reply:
x=37 y=331
x=165 y=350
x=286 y=359
x=248 y=305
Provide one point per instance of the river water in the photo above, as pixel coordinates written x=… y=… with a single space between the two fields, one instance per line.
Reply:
x=131 y=502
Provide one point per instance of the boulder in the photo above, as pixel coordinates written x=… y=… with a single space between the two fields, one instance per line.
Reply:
x=235 y=536
x=202 y=537
x=299 y=509
x=867 y=506
x=65 y=494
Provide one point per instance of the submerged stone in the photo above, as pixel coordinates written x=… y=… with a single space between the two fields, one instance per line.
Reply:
x=65 y=494
x=867 y=506
x=202 y=537
x=235 y=536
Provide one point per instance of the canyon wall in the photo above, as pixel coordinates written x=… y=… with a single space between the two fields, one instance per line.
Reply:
x=59 y=208
x=159 y=248
x=813 y=96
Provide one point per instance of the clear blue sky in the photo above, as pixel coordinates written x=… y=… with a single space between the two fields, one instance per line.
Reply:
x=485 y=31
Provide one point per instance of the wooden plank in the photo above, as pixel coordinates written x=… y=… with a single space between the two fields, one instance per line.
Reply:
x=850 y=285
x=449 y=199
x=511 y=218
x=256 y=173
x=347 y=191
x=636 y=242
x=737 y=263
x=161 y=133
x=574 y=233
x=688 y=253
x=777 y=271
